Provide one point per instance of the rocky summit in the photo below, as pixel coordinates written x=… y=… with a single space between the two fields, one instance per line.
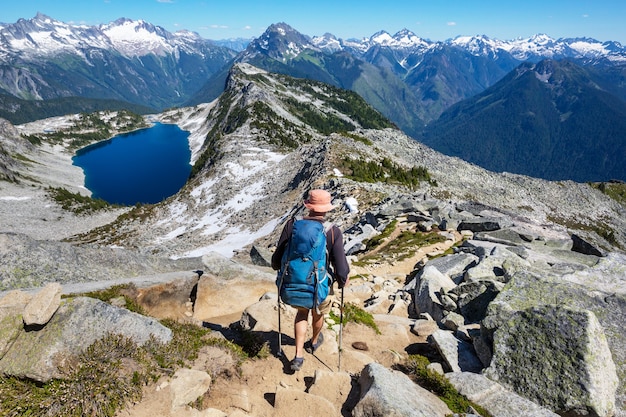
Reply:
x=513 y=288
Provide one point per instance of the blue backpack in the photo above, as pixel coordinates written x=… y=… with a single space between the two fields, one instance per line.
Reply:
x=303 y=279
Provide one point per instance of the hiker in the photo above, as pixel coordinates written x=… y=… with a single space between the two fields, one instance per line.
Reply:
x=304 y=297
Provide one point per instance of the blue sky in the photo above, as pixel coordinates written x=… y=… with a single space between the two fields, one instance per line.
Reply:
x=434 y=19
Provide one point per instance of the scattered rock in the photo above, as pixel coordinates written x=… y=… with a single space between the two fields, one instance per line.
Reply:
x=360 y=346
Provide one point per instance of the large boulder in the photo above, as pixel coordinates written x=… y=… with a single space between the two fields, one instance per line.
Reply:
x=494 y=398
x=78 y=323
x=11 y=322
x=556 y=356
x=391 y=393
x=578 y=319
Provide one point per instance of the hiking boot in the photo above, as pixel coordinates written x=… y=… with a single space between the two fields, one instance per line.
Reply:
x=312 y=347
x=296 y=364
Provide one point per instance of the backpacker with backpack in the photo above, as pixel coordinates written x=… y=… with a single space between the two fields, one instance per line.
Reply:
x=303 y=279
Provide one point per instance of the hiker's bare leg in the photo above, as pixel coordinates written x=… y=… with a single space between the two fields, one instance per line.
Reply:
x=300 y=326
x=318 y=323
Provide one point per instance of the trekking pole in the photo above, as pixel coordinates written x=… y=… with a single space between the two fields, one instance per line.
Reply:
x=280 y=346
x=340 y=328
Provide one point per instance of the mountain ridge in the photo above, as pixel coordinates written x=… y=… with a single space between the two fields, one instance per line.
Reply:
x=412 y=81
x=559 y=125
x=250 y=177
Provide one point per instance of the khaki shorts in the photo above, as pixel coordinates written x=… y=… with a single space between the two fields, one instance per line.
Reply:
x=324 y=307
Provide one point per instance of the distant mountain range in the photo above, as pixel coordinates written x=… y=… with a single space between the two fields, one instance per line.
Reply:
x=132 y=61
x=411 y=80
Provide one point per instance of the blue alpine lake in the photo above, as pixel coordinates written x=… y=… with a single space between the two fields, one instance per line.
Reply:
x=145 y=166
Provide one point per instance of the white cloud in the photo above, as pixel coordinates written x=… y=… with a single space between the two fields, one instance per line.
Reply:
x=247 y=27
x=585 y=15
x=451 y=23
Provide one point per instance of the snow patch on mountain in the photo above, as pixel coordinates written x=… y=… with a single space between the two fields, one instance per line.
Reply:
x=136 y=38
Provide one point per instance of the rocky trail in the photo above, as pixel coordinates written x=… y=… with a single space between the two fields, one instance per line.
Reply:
x=267 y=387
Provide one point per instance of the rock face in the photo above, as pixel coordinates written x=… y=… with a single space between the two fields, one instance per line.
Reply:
x=40 y=354
x=390 y=393
x=576 y=372
x=575 y=321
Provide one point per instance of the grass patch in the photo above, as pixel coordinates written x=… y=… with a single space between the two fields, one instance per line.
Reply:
x=112 y=372
x=402 y=247
x=128 y=291
x=90 y=128
x=358 y=138
x=353 y=313
x=78 y=203
x=103 y=379
x=615 y=190
x=384 y=171
x=416 y=367
x=601 y=229
x=20 y=157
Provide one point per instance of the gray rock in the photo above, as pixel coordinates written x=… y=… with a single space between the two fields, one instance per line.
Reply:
x=429 y=285
x=391 y=393
x=226 y=268
x=12 y=306
x=43 y=305
x=78 y=323
x=503 y=236
x=458 y=355
x=261 y=316
x=494 y=398
x=600 y=289
x=452 y=321
x=454 y=265
x=260 y=256
x=187 y=385
x=558 y=357
x=474 y=298
x=355 y=237
x=580 y=245
x=482 y=224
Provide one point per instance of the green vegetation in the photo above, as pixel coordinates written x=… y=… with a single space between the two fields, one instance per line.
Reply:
x=279 y=131
x=78 y=203
x=358 y=138
x=344 y=101
x=522 y=125
x=615 y=190
x=100 y=381
x=91 y=128
x=19 y=111
x=378 y=239
x=323 y=122
x=125 y=290
x=398 y=248
x=112 y=372
x=416 y=366
x=384 y=171
x=601 y=229
x=353 y=314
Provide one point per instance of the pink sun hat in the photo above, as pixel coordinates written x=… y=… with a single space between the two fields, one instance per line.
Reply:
x=319 y=201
